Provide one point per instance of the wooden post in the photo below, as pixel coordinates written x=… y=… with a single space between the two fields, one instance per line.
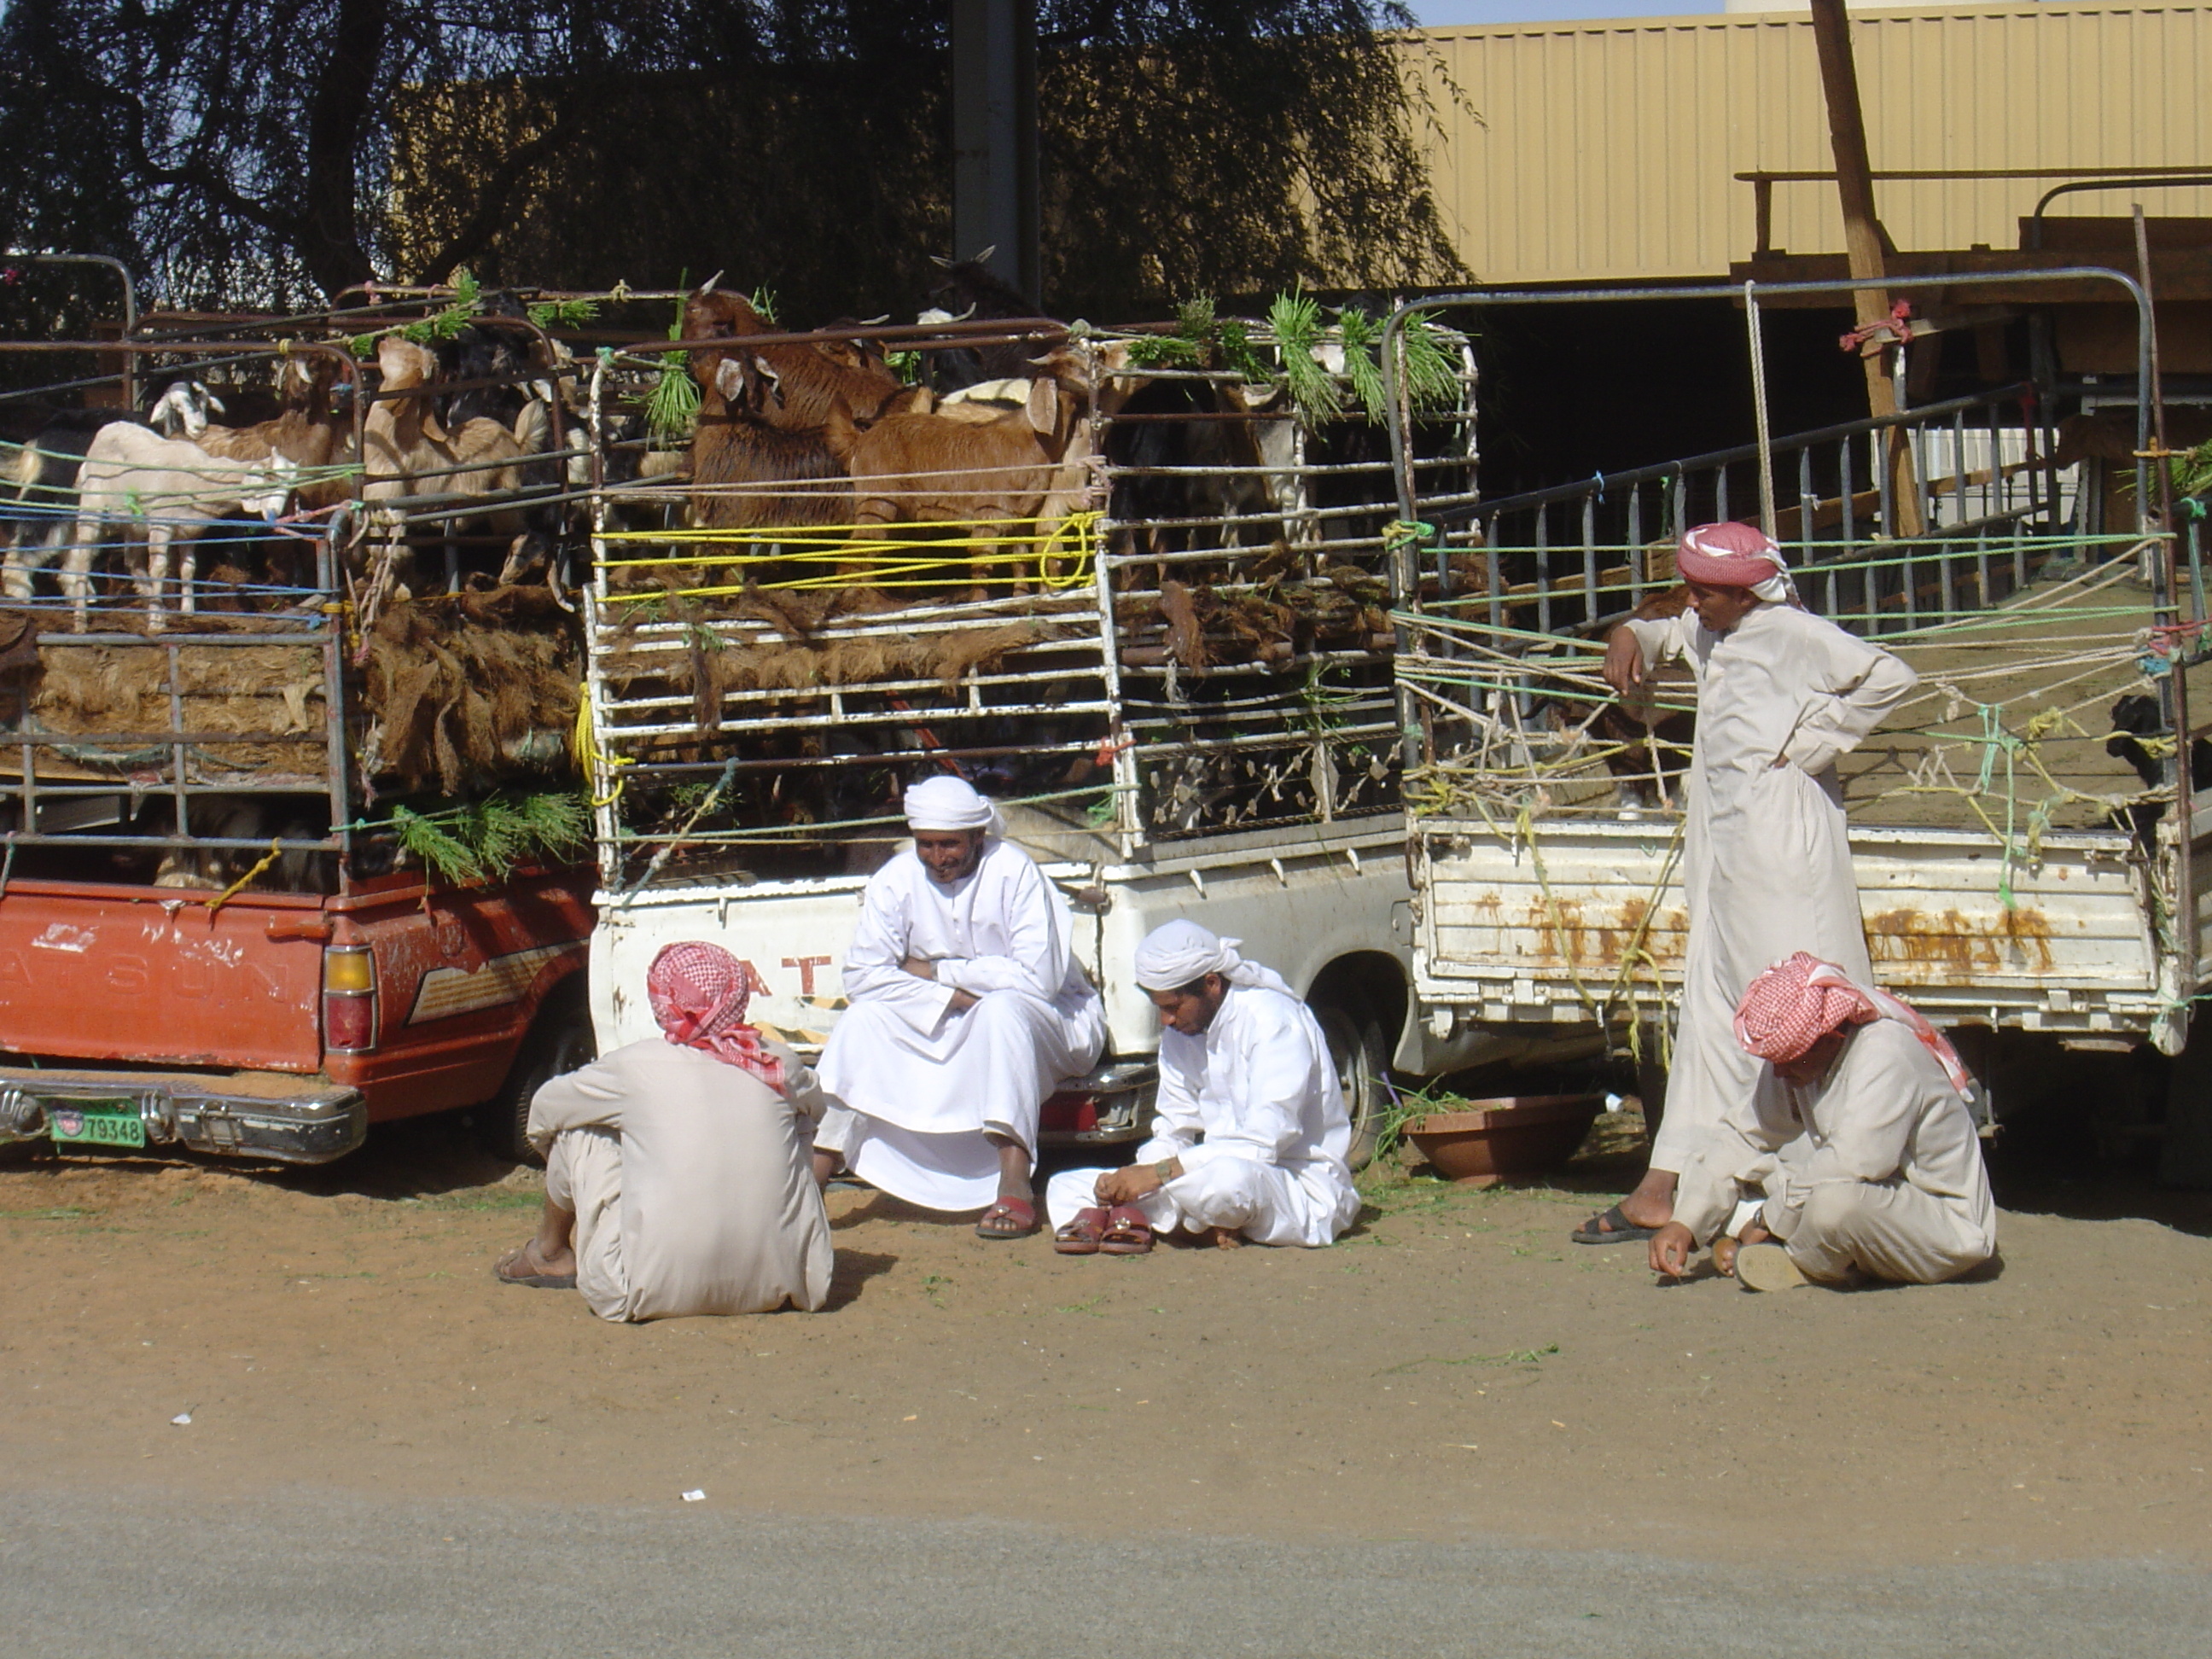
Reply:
x=1864 y=240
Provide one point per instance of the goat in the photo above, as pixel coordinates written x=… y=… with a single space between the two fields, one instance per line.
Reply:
x=1019 y=475
x=737 y=448
x=243 y=817
x=481 y=353
x=141 y=482
x=968 y=289
x=406 y=452
x=181 y=410
x=810 y=380
x=41 y=491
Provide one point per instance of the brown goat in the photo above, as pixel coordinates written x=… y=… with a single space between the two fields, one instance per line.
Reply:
x=810 y=379
x=1010 y=477
x=748 y=473
x=406 y=452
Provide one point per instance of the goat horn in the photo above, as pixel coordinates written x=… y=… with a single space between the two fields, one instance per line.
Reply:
x=708 y=285
x=984 y=257
x=940 y=260
x=870 y=322
x=966 y=315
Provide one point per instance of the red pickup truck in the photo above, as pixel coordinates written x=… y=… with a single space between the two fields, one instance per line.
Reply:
x=280 y=1025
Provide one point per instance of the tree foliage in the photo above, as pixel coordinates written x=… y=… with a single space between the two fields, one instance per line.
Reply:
x=271 y=151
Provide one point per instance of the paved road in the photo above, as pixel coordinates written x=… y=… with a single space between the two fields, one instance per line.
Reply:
x=142 y=1575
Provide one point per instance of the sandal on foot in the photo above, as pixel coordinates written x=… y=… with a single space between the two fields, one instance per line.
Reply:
x=1127 y=1232
x=1767 y=1268
x=522 y=1267
x=1610 y=1227
x=1019 y=1211
x=1080 y=1237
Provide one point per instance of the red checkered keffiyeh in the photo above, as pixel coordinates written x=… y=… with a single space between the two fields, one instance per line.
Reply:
x=1796 y=1002
x=699 y=993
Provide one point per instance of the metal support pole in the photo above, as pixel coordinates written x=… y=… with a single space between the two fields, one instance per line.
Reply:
x=994 y=152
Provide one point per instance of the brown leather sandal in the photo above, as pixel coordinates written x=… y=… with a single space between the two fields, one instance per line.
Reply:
x=1080 y=1237
x=1127 y=1232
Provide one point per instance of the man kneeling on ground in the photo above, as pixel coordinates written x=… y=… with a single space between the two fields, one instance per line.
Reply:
x=1250 y=1138
x=1867 y=1157
x=676 y=1177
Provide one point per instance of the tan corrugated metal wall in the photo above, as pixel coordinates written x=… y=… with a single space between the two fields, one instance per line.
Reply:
x=1607 y=150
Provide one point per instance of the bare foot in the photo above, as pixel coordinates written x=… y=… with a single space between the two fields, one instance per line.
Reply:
x=1225 y=1238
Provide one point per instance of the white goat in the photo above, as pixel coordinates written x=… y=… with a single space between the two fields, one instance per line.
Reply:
x=155 y=491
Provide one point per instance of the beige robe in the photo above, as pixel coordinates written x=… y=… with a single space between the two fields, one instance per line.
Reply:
x=690 y=1183
x=1767 y=865
x=1877 y=1167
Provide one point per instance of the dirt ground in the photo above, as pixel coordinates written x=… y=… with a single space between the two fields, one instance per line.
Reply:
x=1455 y=1369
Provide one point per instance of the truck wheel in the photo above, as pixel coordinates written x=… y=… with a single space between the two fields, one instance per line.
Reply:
x=560 y=1041
x=1355 y=1043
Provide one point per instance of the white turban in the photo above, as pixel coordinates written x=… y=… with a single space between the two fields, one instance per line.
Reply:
x=948 y=803
x=1174 y=955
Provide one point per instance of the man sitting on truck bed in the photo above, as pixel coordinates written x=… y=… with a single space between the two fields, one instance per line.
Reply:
x=967 y=1008
x=1866 y=1155
x=676 y=1174
x=1251 y=1135
x=1766 y=865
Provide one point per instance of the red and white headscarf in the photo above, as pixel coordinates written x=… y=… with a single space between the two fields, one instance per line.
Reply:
x=1796 y=1002
x=699 y=993
x=1734 y=555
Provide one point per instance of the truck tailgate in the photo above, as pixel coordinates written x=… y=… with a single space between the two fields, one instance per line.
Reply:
x=1510 y=932
x=152 y=975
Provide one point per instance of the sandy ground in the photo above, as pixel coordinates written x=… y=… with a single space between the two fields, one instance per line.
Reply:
x=1453 y=1370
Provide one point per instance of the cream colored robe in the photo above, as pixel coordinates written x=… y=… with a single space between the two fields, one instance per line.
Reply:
x=1252 y=1107
x=690 y=1183
x=914 y=1082
x=1767 y=866
x=1887 y=1177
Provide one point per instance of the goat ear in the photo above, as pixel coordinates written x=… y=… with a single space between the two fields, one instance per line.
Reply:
x=1044 y=405
x=730 y=378
x=711 y=283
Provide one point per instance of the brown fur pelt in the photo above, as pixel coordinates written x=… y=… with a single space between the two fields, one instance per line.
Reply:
x=472 y=690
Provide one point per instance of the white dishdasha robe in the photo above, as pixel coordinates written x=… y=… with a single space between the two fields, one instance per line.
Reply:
x=690 y=1180
x=1876 y=1167
x=1766 y=864
x=1252 y=1107
x=912 y=1083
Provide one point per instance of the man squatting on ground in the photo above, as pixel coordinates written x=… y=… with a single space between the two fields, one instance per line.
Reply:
x=1766 y=867
x=968 y=1007
x=1864 y=1154
x=1243 y=1064
x=676 y=1168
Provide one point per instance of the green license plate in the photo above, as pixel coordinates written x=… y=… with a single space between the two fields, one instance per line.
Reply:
x=96 y=1122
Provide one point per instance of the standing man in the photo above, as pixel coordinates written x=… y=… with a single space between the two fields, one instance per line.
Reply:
x=676 y=1173
x=1887 y=1181
x=1251 y=1135
x=1766 y=864
x=968 y=1007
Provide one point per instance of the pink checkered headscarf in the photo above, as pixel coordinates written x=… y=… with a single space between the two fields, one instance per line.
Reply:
x=1796 y=1002
x=1733 y=556
x=699 y=993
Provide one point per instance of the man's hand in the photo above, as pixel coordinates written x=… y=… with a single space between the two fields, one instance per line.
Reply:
x=1672 y=1246
x=1128 y=1185
x=1624 y=663
x=920 y=966
x=961 y=1002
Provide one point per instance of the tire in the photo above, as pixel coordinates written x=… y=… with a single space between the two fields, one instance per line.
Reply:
x=1355 y=1043
x=561 y=1039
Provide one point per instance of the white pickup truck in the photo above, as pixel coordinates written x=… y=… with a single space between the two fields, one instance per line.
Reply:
x=1182 y=696
x=2023 y=869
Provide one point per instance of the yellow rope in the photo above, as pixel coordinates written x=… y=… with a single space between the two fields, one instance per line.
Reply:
x=591 y=760
x=1071 y=542
x=275 y=851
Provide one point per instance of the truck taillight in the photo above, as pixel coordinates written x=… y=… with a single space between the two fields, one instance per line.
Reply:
x=348 y=997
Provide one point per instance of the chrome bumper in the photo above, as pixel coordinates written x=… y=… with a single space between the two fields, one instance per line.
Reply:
x=1120 y=1094
x=320 y=1122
